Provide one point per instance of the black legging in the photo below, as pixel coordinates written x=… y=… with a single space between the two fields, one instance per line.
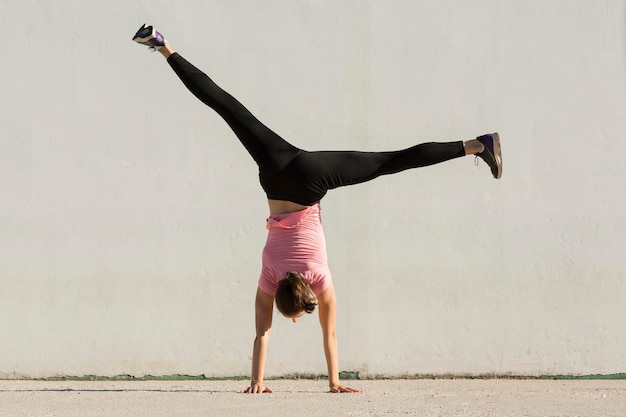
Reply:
x=292 y=174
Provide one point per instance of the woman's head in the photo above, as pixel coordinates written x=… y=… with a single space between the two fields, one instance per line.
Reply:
x=294 y=296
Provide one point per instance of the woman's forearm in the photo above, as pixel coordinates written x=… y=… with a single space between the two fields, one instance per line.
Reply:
x=332 y=359
x=263 y=323
x=259 y=355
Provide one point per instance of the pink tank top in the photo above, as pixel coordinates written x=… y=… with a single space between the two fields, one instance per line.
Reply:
x=295 y=243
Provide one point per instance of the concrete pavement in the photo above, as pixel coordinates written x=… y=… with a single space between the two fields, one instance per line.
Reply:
x=309 y=398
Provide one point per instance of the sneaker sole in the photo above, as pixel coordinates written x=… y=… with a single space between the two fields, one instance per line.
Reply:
x=497 y=153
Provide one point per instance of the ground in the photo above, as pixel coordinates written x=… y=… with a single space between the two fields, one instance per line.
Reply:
x=445 y=397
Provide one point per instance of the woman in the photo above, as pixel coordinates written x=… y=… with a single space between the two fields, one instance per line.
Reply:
x=295 y=271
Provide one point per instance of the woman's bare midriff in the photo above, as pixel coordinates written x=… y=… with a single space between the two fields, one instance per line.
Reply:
x=283 y=206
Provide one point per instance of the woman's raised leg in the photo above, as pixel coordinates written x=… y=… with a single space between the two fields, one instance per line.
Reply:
x=268 y=149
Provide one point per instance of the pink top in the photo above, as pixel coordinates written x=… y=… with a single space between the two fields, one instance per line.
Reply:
x=295 y=243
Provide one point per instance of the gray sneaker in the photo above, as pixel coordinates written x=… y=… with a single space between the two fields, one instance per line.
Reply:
x=492 y=155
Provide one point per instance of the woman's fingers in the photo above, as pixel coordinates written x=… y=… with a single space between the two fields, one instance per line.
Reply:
x=341 y=389
x=257 y=389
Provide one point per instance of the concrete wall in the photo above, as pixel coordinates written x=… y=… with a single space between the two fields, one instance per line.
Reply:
x=132 y=222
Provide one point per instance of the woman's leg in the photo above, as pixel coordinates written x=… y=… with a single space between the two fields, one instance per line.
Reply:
x=268 y=149
x=356 y=167
x=311 y=174
x=341 y=168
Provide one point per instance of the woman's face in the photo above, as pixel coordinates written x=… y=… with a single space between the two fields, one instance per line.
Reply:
x=297 y=316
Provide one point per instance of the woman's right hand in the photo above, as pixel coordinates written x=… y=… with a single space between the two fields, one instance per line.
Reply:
x=257 y=389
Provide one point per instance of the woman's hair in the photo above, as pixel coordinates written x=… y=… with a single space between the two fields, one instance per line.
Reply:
x=294 y=295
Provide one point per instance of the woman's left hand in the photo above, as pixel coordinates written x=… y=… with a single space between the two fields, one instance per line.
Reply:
x=339 y=389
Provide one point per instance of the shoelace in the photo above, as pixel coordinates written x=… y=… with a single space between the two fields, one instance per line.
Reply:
x=476 y=155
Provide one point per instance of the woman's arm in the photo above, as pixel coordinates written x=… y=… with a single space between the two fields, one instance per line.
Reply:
x=263 y=307
x=327 y=305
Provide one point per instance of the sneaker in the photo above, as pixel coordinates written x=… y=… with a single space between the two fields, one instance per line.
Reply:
x=492 y=154
x=150 y=37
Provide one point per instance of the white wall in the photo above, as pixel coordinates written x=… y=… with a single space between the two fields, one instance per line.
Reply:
x=132 y=222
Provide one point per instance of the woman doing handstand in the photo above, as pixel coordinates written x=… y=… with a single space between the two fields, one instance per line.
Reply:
x=295 y=271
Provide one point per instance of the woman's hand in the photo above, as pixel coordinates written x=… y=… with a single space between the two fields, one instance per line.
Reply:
x=257 y=389
x=339 y=389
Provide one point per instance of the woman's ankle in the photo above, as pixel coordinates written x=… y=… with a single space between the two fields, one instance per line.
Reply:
x=472 y=147
x=166 y=50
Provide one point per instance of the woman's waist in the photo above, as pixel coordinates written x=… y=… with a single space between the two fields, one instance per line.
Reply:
x=289 y=256
x=308 y=268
